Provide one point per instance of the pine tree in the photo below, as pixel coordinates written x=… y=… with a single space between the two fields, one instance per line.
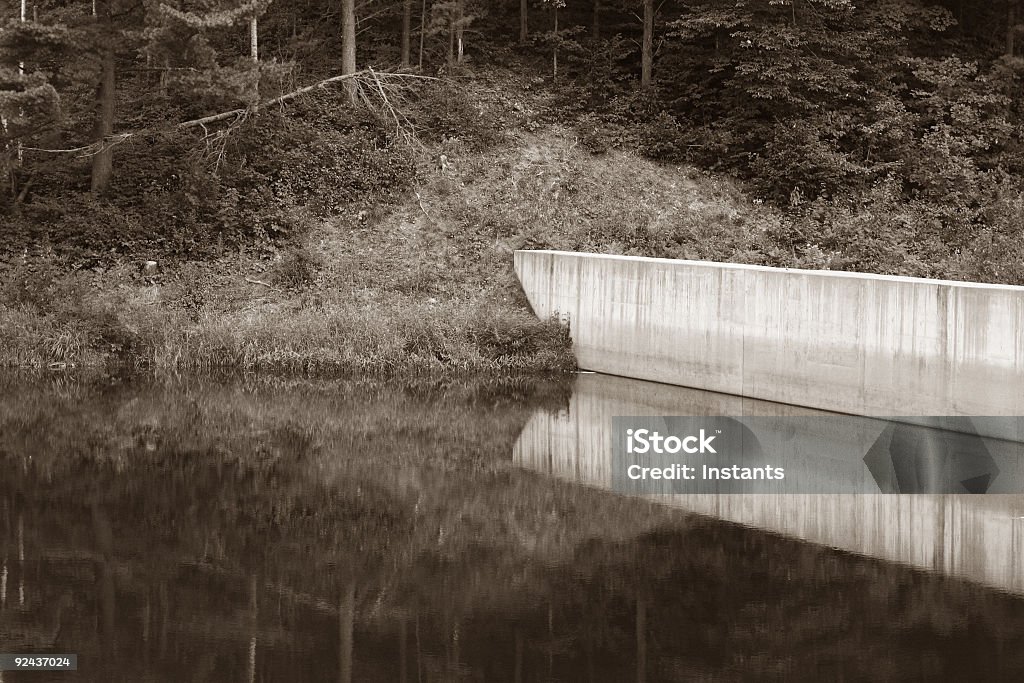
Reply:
x=452 y=17
x=83 y=44
x=406 y=33
x=348 y=44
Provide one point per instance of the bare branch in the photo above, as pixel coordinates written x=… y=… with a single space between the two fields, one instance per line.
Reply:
x=236 y=116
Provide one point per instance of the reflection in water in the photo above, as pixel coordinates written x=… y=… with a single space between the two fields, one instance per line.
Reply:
x=979 y=537
x=355 y=531
x=915 y=459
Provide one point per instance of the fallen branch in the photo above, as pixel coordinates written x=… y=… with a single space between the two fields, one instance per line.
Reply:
x=423 y=208
x=223 y=116
x=259 y=282
x=241 y=113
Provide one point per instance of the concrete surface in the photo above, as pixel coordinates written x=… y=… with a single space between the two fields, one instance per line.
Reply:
x=846 y=342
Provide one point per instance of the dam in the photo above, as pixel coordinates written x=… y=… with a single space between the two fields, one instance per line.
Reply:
x=849 y=343
x=833 y=361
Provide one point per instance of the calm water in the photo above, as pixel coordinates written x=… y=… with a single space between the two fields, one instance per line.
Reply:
x=351 y=531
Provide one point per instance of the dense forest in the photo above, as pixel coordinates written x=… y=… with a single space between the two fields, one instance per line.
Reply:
x=871 y=135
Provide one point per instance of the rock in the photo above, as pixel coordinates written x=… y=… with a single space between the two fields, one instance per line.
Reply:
x=149 y=268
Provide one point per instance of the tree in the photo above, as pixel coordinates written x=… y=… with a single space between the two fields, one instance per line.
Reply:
x=452 y=17
x=524 y=32
x=1011 y=27
x=460 y=29
x=555 y=5
x=849 y=75
x=406 y=32
x=80 y=47
x=348 y=44
x=647 y=49
x=27 y=102
x=423 y=31
x=254 y=39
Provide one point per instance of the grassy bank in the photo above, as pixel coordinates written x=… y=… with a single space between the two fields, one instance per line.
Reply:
x=220 y=315
x=406 y=265
x=420 y=281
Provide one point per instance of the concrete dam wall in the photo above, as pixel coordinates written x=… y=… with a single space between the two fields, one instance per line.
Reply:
x=845 y=342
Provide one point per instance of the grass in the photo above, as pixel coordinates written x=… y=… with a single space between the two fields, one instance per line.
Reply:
x=224 y=321
x=422 y=282
x=422 y=286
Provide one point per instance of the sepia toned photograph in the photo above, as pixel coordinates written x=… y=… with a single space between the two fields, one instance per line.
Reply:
x=445 y=341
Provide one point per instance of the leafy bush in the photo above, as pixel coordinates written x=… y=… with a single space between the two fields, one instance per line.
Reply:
x=442 y=110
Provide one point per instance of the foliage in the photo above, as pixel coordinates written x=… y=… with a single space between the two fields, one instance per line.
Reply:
x=258 y=187
x=880 y=136
x=445 y=110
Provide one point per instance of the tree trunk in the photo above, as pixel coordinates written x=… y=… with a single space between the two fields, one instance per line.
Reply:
x=21 y=71
x=406 y=33
x=103 y=161
x=647 y=53
x=423 y=30
x=254 y=40
x=554 y=53
x=459 y=28
x=348 y=45
x=451 y=43
x=524 y=33
x=597 y=20
x=346 y=621
x=1011 y=28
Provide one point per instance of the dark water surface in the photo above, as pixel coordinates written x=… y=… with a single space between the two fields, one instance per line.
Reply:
x=261 y=530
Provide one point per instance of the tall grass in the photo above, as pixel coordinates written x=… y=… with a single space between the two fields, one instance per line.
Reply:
x=332 y=333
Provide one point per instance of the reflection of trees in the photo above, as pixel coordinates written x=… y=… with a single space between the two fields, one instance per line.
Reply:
x=295 y=534
x=346 y=625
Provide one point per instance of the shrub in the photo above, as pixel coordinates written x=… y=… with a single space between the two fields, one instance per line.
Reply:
x=297 y=268
x=445 y=110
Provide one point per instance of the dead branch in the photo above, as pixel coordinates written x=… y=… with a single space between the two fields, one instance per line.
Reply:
x=373 y=76
x=239 y=115
x=423 y=208
x=235 y=113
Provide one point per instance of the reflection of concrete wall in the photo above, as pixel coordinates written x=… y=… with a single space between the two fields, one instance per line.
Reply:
x=848 y=342
x=978 y=537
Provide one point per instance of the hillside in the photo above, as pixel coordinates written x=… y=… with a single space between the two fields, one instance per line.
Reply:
x=421 y=283
x=327 y=244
